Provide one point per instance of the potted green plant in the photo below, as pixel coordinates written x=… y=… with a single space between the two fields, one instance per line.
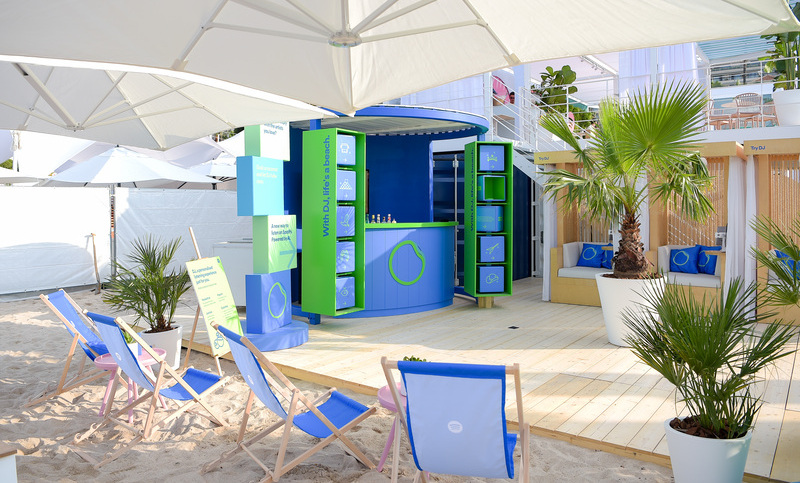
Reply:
x=148 y=288
x=402 y=382
x=641 y=148
x=554 y=91
x=783 y=60
x=782 y=286
x=713 y=354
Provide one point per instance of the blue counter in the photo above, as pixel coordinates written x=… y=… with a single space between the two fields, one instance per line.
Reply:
x=409 y=268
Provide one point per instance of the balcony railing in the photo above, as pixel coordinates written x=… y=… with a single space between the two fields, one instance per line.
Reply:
x=740 y=96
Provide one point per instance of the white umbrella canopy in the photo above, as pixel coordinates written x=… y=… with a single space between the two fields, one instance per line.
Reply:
x=139 y=107
x=222 y=168
x=350 y=54
x=8 y=176
x=123 y=166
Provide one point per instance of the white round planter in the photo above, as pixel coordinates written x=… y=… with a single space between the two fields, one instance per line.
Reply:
x=787 y=107
x=170 y=341
x=619 y=294
x=696 y=459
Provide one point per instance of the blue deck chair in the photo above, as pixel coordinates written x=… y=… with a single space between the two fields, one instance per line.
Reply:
x=455 y=418
x=188 y=389
x=327 y=421
x=82 y=335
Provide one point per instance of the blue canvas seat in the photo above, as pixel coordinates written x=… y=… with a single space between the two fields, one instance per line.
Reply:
x=189 y=388
x=327 y=421
x=455 y=418
x=82 y=335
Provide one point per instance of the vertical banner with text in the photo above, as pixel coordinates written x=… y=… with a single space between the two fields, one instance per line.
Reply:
x=216 y=300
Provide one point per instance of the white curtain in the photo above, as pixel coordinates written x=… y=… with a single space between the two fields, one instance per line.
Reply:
x=550 y=219
x=737 y=223
x=751 y=211
x=639 y=68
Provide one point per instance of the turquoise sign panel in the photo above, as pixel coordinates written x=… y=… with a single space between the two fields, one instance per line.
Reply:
x=259 y=186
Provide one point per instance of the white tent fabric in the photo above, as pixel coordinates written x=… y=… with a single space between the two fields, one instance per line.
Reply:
x=550 y=220
x=8 y=176
x=130 y=106
x=120 y=165
x=223 y=167
x=751 y=212
x=55 y=247
x=350 y=54
x=737 y=224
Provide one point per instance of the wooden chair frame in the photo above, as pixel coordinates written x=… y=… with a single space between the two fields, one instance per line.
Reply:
x=159 y=382
x=524 y=429
x=85 y=374
x=296 y=399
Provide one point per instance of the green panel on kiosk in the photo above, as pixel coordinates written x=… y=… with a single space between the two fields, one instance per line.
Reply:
x=259 y=186
x=320 y=207
x=491 y=187
x=274 y=243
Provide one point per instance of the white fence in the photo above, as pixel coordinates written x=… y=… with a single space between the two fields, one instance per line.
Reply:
x=45 y=233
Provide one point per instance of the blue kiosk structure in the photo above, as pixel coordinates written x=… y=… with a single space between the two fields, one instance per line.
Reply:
x=410 y=261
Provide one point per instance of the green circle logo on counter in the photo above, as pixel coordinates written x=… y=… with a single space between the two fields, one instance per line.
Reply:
x=417 y=252
x=283 y=300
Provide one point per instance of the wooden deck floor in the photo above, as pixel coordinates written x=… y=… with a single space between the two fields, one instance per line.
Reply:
x=576 y=386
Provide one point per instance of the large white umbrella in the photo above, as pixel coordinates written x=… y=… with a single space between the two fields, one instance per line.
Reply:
x=350 y=54
x=8 y=176
x=222 y=167
x=123 y=166
x=137 y=107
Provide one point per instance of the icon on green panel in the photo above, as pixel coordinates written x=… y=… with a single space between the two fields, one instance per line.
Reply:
x=346 y=185
x=492 y=278
x=343 y=257
x=344 y=148
x=491 y=158
x=344 y=292
x=344 y=222
x=419 y=255
x=491 y=248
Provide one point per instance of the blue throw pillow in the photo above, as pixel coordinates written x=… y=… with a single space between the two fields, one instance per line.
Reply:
x=788 y=262
x=591 y=255
x=607 y=256
x=684 y=259
x=707 y=263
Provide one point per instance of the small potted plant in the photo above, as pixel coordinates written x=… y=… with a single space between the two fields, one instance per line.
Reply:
x=714 y=354
x=146 y=286
x=783 y=61
x=402 y=382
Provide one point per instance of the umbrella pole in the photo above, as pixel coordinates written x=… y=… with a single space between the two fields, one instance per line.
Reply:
x=113 y=231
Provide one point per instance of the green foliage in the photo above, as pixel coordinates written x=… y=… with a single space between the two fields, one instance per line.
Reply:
x=414 y=358
x=640 y=147
x=783 y=58
x=8 y=164
x=554 y=91
x=783 y=286
x=145 y=287
x=712 y=351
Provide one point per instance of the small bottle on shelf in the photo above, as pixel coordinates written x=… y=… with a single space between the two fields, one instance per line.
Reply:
x=389 y=218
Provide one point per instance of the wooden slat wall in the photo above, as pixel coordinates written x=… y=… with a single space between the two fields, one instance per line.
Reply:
x=784 y=189
x=684 y=231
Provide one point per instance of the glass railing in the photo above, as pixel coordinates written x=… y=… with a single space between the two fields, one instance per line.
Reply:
x=740 y=97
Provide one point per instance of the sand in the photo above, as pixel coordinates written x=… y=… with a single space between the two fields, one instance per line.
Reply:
x=34 y=345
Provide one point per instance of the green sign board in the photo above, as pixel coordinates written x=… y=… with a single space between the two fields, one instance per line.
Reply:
x=274 y=243
x=215 y=299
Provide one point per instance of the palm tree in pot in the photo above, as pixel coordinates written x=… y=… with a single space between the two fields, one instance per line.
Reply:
x=146 y=286
x=642 y=148
x=713 y=354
